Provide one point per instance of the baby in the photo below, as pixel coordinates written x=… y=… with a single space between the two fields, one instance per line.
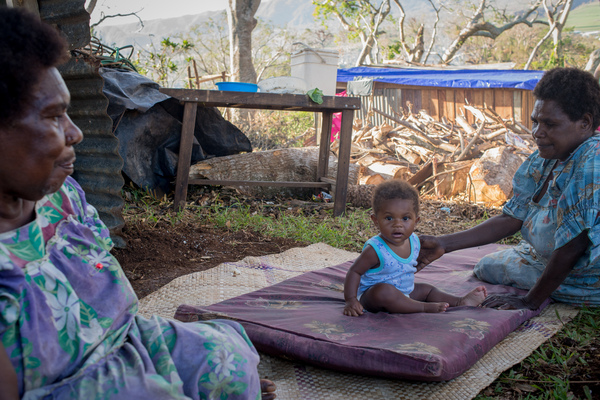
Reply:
x=382 y=277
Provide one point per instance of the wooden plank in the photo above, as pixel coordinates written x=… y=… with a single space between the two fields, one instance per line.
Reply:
x=430 y=102
x=459 y=102
x=477 y=98
x=503 y=103
x=417 y=100
x=488 y=98
x=441 y=103
x=269 y=101
x=341 y=187
x=194 y=181
x=468 y=99
x=407 y=96
x=518 y=105
x=528 y=102
x=185 y=155
x=449 y=106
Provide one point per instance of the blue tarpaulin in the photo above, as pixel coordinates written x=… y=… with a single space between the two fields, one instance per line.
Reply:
x=463 y=78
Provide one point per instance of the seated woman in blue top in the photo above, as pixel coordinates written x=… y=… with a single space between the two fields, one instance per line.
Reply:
x=555 y=205
x=69 y=327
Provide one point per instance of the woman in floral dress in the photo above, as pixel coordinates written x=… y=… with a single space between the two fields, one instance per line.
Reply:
x=69 y=327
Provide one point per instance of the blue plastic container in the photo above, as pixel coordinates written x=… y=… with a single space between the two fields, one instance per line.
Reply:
x=237 y=86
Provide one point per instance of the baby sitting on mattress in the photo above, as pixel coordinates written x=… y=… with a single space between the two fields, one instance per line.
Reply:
x=382 y=277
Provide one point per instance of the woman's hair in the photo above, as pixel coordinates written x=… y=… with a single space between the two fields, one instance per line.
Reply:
x=27 y=46
x=577 y=92
x=394 y=189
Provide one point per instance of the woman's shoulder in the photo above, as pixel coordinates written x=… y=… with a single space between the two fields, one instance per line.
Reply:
x=588 y=150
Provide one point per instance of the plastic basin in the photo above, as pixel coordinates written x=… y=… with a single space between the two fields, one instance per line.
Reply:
x=237 y=86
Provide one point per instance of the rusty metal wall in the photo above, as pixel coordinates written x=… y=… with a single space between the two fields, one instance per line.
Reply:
x=98 y=166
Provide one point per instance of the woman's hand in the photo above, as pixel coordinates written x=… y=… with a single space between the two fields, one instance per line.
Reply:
x=353 y=308
x=9 y=387
x=431 y=250
x=507 y=302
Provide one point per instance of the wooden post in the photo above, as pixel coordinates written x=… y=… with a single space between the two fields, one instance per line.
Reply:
x=185 y=154
x=196 y=74
x=190 y=77
x=341 y=188
x=324 y=145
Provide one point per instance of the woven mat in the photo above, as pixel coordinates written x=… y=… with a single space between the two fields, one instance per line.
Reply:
x=303 y=382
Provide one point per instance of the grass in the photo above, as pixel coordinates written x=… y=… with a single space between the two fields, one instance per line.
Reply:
x=346 y=233
x=559 y=369
x=585 y=18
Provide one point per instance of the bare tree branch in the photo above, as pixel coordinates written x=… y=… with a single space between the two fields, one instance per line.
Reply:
x=477 y=26
x=433 y=31
x=556 y=20
x=370 y=41
x=105 y=17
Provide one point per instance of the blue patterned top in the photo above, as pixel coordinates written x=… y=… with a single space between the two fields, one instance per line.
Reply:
x=570 y=206
x=392 y=268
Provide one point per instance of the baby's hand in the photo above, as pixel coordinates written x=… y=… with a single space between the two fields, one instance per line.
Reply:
x=353 y=308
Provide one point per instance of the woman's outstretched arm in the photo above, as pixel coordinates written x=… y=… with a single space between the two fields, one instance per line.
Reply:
x=489 y=231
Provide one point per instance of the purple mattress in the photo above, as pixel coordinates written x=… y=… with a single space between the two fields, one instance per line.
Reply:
x=301 y=319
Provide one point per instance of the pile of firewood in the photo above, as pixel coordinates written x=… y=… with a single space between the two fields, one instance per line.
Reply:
x=438 y=157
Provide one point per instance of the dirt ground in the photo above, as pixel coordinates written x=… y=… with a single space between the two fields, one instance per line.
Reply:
x=159 y=252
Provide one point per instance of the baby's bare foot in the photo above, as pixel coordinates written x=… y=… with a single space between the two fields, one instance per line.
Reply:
x=435 y=307
x=474 y=298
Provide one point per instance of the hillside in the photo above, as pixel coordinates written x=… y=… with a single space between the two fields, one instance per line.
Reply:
x=585 y=18
x=298 y=15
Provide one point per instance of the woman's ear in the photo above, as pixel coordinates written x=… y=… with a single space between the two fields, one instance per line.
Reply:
x=586 y=122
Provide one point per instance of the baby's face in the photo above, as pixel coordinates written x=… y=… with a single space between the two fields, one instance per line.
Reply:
x=396 y=220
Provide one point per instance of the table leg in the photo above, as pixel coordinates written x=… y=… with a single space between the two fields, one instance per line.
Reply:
x=324 y=145
x=341 y=187
x=185 y=154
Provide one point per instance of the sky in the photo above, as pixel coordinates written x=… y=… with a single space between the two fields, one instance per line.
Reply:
x=152 y=9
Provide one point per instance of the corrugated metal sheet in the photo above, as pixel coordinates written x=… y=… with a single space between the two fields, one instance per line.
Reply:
x=98 y=167
x=386 y=100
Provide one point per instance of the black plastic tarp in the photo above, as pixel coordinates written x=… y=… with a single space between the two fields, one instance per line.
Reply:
x=148 y=126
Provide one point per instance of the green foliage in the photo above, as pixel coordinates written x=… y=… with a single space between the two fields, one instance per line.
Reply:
x=278 y=129
x=552 y=369
x=350 y=11
x=162 y=64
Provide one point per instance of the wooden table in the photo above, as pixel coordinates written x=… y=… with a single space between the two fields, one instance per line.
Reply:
x=192 y=98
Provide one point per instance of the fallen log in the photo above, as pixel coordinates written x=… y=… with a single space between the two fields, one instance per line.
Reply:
x=282 y=165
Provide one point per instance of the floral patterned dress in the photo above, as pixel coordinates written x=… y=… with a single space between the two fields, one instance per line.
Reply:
x=68 y=320
x=570 y=206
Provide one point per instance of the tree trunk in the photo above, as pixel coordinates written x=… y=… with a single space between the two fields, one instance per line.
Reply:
x=240 y=15
x=282 y=165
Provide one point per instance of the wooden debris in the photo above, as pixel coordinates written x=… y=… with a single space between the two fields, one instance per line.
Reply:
x=438 y=156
